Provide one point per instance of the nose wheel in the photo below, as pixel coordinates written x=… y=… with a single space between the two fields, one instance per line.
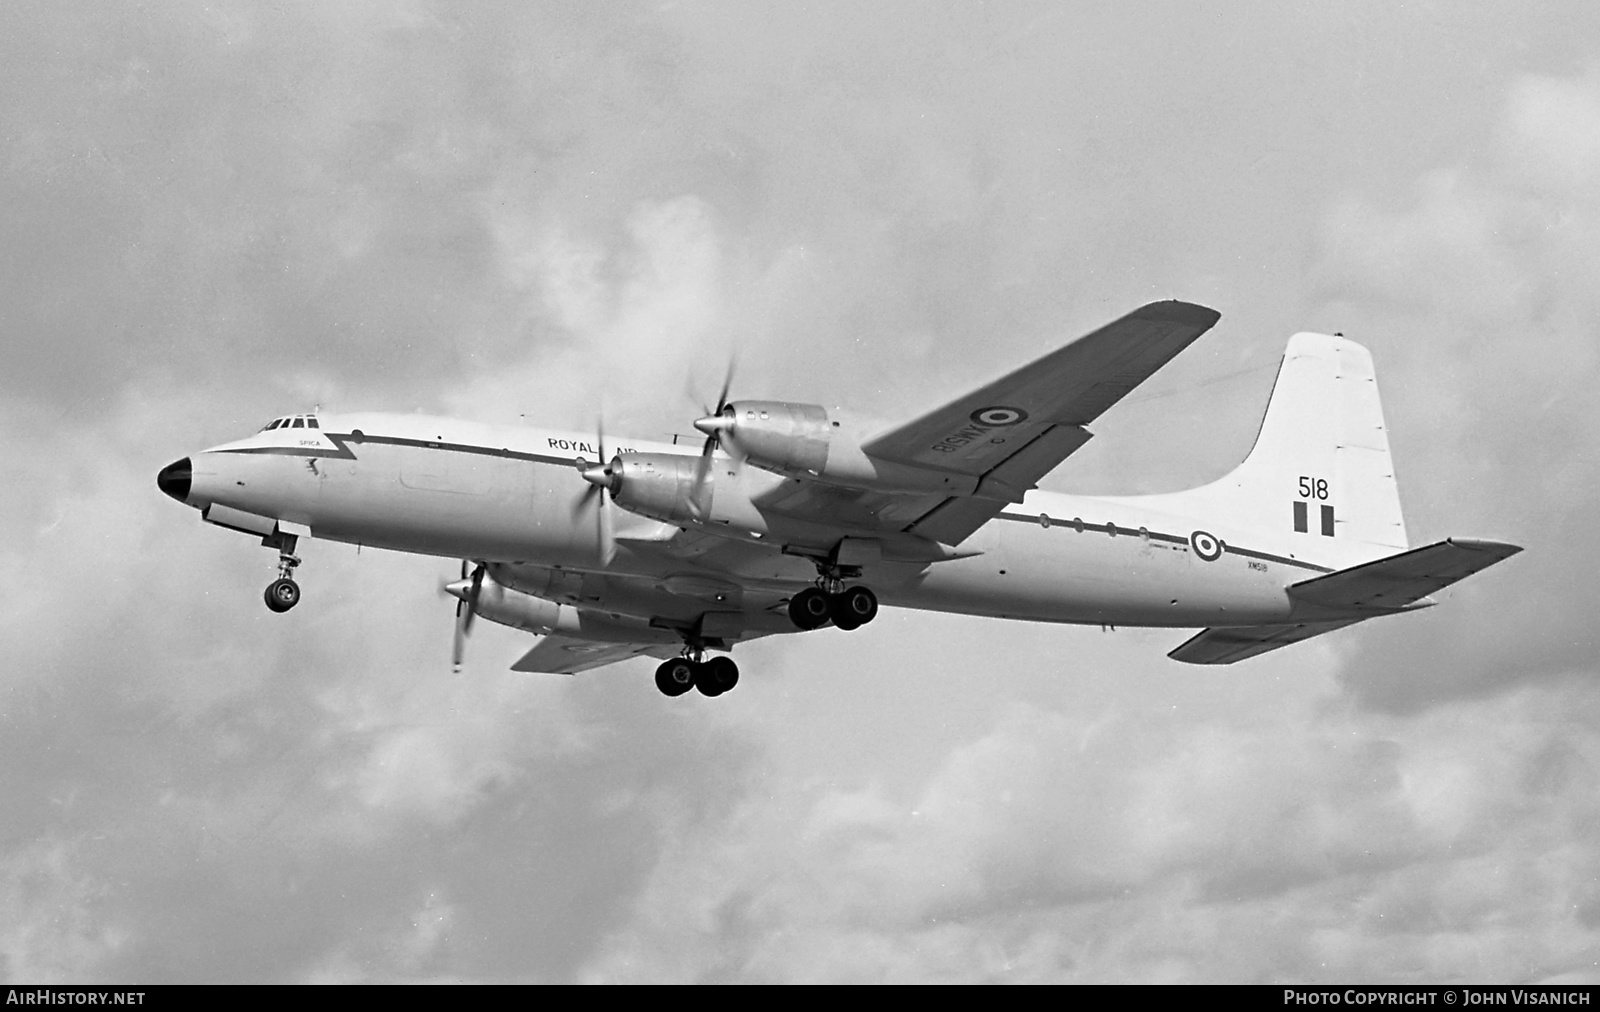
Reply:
x=283 y=593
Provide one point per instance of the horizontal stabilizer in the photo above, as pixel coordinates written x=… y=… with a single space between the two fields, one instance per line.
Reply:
x=1378 y=587
x=1226 y=645
x=567 y=655
x=1402 y=579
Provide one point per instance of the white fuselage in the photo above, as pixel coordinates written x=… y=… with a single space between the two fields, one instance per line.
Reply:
x=459 y=489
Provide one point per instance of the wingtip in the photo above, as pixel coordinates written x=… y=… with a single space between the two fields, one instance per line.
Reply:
x=1503 y=549
x=1177 y=311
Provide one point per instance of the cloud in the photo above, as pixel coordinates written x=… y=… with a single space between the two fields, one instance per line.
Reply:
x=1052 y=848
x=1479 y=287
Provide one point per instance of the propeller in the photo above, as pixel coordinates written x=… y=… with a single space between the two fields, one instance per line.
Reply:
x=716 y=424
x=466 y=592
x=602 y=477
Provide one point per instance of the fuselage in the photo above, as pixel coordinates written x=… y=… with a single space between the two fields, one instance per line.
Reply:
x=464 y=490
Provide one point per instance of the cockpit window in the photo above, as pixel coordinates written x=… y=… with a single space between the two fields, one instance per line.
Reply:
x=293 y=422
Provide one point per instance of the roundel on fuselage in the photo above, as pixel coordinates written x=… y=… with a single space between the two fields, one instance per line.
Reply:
x=1207 y=546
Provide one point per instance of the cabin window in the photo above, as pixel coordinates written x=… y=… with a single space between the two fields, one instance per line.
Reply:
x=311 y=423
x=298 y=423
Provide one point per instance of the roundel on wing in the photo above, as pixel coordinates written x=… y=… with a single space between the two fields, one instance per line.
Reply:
x=1207 y=546
x=998 y=416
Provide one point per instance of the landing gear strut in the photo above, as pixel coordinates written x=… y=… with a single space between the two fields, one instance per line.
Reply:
x=283 y=593
x=712 y=677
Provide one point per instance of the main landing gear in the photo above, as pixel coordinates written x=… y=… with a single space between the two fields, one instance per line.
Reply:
x=712 y=677
x=283 y=593
x=848 y=608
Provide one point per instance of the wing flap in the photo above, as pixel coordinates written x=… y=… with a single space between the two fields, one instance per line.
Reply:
x=1402 y=579
x=1225 y=645
x=953 y=521
x=567 y=655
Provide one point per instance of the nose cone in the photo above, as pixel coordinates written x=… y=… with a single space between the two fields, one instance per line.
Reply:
x=175 y=479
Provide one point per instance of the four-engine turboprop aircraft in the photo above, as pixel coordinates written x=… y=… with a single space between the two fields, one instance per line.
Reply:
x=791 y=518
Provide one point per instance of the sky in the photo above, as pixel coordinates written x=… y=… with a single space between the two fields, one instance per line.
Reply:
x=214 y=214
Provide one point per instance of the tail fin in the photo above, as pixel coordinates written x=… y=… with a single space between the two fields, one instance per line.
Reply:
x=1319 y=476
x=1321 y=467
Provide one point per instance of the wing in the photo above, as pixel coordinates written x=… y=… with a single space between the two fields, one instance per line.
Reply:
x=1225 y=645
x=567 y=655
x=1015 y=430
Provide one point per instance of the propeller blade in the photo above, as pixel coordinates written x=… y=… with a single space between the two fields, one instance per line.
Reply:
x=699 y=502
x=472 y=599
x=466 y=592
x=606 y=532
x=715 y=425
x=584 y=498
x=727 y=383
x=458 y=649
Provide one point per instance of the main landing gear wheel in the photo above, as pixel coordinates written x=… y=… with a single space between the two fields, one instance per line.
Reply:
x=853 y=608
x=675 y=677
x=716 y=676
x=810 y=609
x=282 y=594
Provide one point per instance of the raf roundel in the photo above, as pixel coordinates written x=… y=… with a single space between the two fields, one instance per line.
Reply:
x=1207 y=546
x=999 y=416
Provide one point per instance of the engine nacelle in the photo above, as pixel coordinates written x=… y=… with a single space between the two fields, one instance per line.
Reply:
x=662 y=486
x=778 y=436
x=802 y=441
x=521 y=609
x=656 y=485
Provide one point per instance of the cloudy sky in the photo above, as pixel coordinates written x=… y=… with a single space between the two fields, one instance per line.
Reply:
x=212 y=214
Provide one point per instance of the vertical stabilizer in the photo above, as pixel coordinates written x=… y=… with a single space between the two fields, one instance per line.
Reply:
x=1320 y=474
x=1321 y=463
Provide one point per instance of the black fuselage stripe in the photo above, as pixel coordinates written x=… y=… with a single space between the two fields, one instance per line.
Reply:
x=1113 y=529
x=344 y=440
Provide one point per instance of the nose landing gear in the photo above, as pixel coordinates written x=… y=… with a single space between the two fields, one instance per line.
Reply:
x=283 y=593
